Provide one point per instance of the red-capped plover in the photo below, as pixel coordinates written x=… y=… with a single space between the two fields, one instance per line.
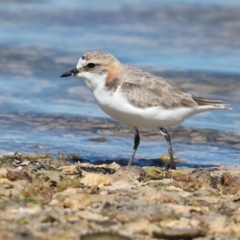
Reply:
x=138 y=98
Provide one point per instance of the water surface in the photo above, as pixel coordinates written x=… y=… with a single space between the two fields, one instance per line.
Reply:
x=196 y=44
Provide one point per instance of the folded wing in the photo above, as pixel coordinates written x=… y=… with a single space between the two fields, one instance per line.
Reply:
x=155 y=91
x=164 y=96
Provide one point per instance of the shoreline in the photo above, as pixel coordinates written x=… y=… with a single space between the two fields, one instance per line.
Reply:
x=46 y=198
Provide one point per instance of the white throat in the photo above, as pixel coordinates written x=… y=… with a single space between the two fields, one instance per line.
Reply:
x=93 y=80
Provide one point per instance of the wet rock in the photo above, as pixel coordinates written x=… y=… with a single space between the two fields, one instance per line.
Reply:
x=173 y=189
x=81 y=201
x=236 y=198
x=198 y=178
x=158 y=196
x=119 y=184
x=38 y=190
x=181 y=233
x=14 y=176
x=91 y=216
x=92 y=179
x=129 y=173
x=141 y=226
x=103 y=236
x=49 y=218
x=236 y=219
x=124 y=217
x=153 y=173
x=25 y=234
x=231 y=184
x=7 y=183
x=66 y=182
x=35 y=146
x=100 y=139
x=3 y=172
x=166 y=158
x=101 y=168
x=96 y=169
x=23 y=157
x=70 y=170
x=188 y=209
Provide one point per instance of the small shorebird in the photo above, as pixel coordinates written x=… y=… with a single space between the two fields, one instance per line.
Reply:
x=138 y=98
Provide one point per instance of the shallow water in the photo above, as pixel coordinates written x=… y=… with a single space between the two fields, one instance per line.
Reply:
x=194 y=44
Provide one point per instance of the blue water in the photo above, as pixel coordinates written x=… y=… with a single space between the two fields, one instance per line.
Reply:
x=39 y=40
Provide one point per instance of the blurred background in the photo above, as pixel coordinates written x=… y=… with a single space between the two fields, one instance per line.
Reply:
x=193 y=43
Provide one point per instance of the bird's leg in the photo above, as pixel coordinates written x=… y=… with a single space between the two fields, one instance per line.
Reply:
x=136 y=143
x=170 y=151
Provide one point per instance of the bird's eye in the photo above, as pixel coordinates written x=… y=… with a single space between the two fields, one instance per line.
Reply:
x=91 y=65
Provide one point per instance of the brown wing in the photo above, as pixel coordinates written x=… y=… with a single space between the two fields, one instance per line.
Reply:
x=145 y=90
x=157 y=92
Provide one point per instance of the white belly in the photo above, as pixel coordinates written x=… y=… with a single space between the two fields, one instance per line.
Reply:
x=116 y=105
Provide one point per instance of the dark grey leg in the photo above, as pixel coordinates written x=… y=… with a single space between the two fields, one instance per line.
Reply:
x=136 y=143
x=170 y=151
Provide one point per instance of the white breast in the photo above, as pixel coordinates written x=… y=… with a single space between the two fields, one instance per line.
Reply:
x=116 y=105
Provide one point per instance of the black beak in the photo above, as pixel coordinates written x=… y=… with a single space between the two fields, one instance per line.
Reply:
x=72 y=72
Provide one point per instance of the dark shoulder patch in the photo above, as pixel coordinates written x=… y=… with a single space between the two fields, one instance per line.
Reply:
x=112 y=85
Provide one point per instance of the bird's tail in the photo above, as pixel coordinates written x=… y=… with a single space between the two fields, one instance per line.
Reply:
x=213 y=104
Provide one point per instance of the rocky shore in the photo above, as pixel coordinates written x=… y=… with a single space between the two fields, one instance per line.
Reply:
x=46 y=198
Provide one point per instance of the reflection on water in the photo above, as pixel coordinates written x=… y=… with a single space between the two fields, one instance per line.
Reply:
x=196 y=44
